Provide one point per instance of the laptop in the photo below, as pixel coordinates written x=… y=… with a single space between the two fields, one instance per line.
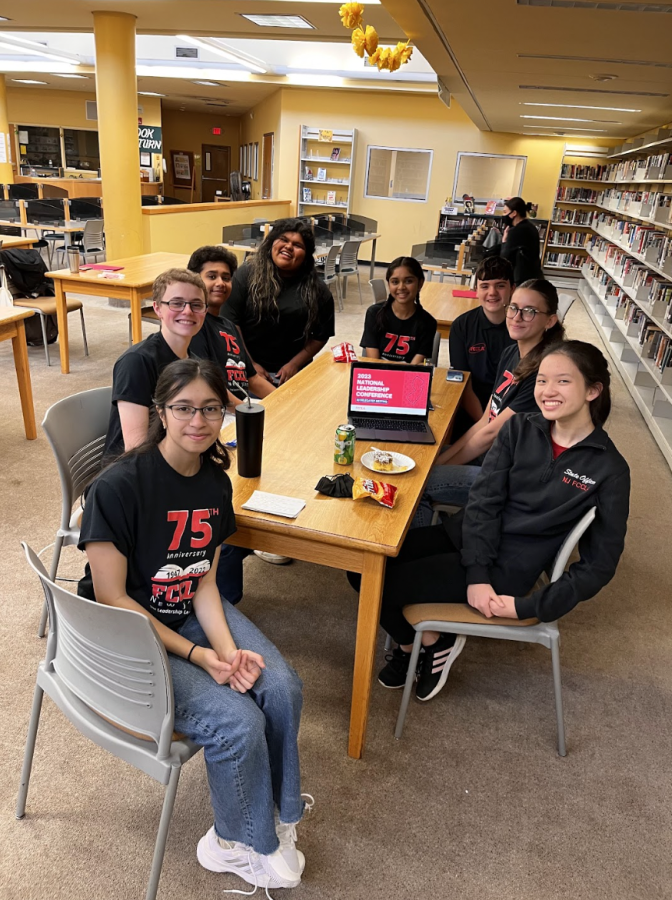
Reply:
x=390 y=402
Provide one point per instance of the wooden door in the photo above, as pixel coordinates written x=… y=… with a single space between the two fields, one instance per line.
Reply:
x=267 y=151
x=216 y=167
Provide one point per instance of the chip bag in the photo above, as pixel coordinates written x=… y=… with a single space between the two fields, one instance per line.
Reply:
x=344 y=352
x=384 y=493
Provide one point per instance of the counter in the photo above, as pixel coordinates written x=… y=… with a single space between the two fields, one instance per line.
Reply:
x=85 y=187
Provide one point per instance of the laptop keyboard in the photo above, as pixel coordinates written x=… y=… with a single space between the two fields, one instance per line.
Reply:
x=389 y=425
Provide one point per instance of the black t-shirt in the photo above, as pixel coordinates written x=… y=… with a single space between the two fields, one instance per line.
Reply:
x=220 y=339
x=521 y=248
x=168 y=527
x=399 y=340
x=275 y=340
x=476 y=346
x=508 y=393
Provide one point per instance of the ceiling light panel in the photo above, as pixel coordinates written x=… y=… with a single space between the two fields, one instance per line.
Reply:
x=273 y=21
x=28 y=81
x=564 y=119
x=601 y=5
x=567 y=128
x=597 y=59
x=575 y=90
x=576 y=106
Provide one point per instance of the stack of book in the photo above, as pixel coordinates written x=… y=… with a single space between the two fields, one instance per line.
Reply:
x=576 y=195
x=572 y=216
x=582 y=173
x=568 y=238
x=565 y=260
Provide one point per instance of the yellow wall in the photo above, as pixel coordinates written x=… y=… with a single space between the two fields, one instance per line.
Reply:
x=33 y=106
x=265 y=118
x=410 y=121
x=189 y=131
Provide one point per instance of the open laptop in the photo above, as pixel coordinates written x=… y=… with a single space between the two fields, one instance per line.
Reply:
x=390 y=402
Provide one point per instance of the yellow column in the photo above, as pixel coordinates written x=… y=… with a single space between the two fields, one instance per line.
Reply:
x=117 y=98
x=6 y=173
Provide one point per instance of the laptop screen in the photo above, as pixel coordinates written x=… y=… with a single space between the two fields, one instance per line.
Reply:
x=398 y=390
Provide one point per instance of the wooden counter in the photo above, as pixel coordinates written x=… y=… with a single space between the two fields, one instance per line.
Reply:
x=86 y=187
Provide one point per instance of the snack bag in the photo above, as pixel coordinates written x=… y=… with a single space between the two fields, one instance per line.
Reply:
x=344 y=352
x=384 y=493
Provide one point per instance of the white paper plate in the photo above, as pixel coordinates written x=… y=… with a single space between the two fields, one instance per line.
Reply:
x=401 y=463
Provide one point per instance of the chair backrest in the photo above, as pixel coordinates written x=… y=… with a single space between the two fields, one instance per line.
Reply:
x=93 y=234
x=330 y=263
x=76 y=428
x=570 y=543
x=236 y=186
x=348 y=259
x=379 y=289
x=564 y=302
x=35 y=563
x=112 y=660
x=436 y=346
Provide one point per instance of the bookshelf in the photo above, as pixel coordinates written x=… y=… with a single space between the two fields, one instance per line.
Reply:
x=325 y=170
x=576 y=195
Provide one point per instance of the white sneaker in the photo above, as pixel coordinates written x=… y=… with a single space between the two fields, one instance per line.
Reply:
x=273 y=558
x=270 y=871
x=286 y=832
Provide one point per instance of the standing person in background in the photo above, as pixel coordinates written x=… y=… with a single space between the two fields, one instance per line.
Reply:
x=521 y=241
x=284 y=310
x=400 y=329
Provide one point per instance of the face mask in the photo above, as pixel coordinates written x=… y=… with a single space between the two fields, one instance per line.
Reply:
x=506 y=221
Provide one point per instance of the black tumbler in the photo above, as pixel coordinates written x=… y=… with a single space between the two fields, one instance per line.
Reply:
x=250 y=438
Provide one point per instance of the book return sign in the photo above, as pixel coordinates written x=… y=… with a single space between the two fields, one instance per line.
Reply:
x=149 y=138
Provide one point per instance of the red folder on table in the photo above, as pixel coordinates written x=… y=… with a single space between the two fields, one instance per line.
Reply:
x=471 y=294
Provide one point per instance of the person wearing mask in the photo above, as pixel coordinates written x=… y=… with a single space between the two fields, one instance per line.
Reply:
x=520 y=243
x=284 y=310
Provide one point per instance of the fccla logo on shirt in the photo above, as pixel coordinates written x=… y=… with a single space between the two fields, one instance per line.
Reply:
x=582 y=482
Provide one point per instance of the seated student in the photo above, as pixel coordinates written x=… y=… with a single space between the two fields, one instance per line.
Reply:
x=234 y=694
x=400 y=329
x=532 y=321
x=543 y=473
x=479 y=337
x=216 y=266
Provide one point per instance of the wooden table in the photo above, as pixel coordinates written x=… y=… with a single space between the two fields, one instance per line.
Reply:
x=441 y=270
x=16 y=243
x=439 y=301
x=12 y=327
x=138 y=273
x=343 y=534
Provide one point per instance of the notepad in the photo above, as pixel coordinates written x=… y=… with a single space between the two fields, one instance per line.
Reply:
x=471 y=294
x=276 y=504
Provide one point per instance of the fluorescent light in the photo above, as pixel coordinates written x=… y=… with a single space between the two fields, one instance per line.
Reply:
x=273 y=21
x=183 y=72
x=309 y=80
x=576 y=106
x=207 y=83
x=58 y=75
x=213 y=46
x=566 y=128
x=28 y=81
x=150 y=94
x=562 y=119
x=5 y=19
x=15 y=43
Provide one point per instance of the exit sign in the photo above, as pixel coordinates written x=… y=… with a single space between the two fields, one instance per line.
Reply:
x=216 y=130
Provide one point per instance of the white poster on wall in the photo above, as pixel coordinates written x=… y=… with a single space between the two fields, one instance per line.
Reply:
x=4 y=141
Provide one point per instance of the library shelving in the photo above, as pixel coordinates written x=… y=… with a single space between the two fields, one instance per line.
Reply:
x=326 y=161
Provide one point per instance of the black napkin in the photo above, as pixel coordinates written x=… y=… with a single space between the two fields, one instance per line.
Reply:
x=335 y=485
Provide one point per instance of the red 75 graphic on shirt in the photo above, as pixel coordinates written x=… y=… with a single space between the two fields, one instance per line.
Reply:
x=508 y=379
x=231 y=342
x=201 y=530
x=402 y=342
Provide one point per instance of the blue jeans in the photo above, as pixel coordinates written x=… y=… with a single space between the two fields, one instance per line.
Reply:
x=249 y=740
x=446 y=484
x=230 y=572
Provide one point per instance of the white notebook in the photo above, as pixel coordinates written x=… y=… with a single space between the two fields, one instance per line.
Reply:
x=276 y=504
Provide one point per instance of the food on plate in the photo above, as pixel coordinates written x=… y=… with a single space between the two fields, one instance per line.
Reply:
x=383 y=461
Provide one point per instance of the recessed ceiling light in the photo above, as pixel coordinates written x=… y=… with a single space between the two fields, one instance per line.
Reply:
x=207 y=83
x=577 y=106
x=71 y=76
x=567 y=128
x=150 y=94
x=28 y=81
x=563 y=119
x=5 y=19
x=603 y=77
x=274 y=21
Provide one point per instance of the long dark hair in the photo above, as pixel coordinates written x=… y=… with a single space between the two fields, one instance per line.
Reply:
x=518 y=205
x=176 y=376
x=264 y=284
x=408 y=262
x=529 y=364
x=593 y=367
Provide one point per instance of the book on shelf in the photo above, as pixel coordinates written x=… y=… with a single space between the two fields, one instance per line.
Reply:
x=307 y=174
x=331 y=196
x=321 y=174
x=575 y=195
x=306 y=195
x=582 y=173
x=336 y=153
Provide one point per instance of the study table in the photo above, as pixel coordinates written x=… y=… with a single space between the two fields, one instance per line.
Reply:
x=439 y=301
x=353 y=535
x=134 y=284
x=67 y=229
x=11 y=242
x=12 y=328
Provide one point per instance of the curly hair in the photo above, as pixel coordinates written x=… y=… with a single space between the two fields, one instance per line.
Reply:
x=209 y=254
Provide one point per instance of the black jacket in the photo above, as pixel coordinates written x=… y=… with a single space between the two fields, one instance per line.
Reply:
x=27 y=272
x=521 y=248
x=523 y=504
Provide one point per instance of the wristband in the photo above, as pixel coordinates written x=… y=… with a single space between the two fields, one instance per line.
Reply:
x=193 y=647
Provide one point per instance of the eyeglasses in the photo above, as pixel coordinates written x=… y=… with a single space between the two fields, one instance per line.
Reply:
x=527 y=313
x=196 y=306
x=184 y=413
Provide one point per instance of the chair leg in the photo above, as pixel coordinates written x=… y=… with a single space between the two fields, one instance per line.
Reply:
x=557 y=689
x=408 y=687
x=43 y=325
x=359 y=285
x=130 y=331
x=86 y=344
x=388 y=642
x=162 y=834
x=339 y=295
x=29 y=751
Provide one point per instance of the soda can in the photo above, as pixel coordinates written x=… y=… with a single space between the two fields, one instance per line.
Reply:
x=344 y=445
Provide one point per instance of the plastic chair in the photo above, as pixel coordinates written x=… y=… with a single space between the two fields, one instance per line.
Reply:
x=92 y=240
x=435 y=349
x=379 y=289
x=76 y=428
x=330 y=273
x=564 y=303
x=348 y=265
x=459 y=618
x=107 y=671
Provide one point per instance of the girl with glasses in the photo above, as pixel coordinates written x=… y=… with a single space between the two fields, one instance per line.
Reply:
x=152 y=527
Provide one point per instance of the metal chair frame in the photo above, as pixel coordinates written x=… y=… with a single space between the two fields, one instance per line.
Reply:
x=330 y=273
x=348 y=265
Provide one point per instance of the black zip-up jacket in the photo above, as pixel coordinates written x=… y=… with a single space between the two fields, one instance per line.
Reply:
x=524 y=503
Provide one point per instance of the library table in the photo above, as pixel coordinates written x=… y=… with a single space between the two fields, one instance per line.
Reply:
x=138 y=274
x=439 y=302
x=12 y=328
x=67 y=229
x=358 y=536
x=10 y=242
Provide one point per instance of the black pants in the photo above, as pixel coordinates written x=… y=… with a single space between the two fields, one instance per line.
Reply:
x=427 y=570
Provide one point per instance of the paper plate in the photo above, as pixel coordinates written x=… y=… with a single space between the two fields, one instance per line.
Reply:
x=401 y=463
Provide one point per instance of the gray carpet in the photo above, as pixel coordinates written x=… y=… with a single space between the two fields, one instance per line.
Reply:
x=472 y=803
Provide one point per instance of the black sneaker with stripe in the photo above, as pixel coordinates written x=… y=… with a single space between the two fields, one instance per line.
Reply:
x=435 y=663
x=393 y=675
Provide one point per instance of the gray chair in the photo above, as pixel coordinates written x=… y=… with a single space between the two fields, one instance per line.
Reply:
x=76 y=428
x=435 y=348
x=564 y=303
x=459 y=618
x=92 y=240
x=348 y=265
x=330 y=273
x=108 y=672
x=379 y=289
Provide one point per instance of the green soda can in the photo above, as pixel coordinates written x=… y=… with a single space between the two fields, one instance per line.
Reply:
x=344 y=445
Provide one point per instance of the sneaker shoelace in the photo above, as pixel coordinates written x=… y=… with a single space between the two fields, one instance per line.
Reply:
x=252 y=858
x=286 y=831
